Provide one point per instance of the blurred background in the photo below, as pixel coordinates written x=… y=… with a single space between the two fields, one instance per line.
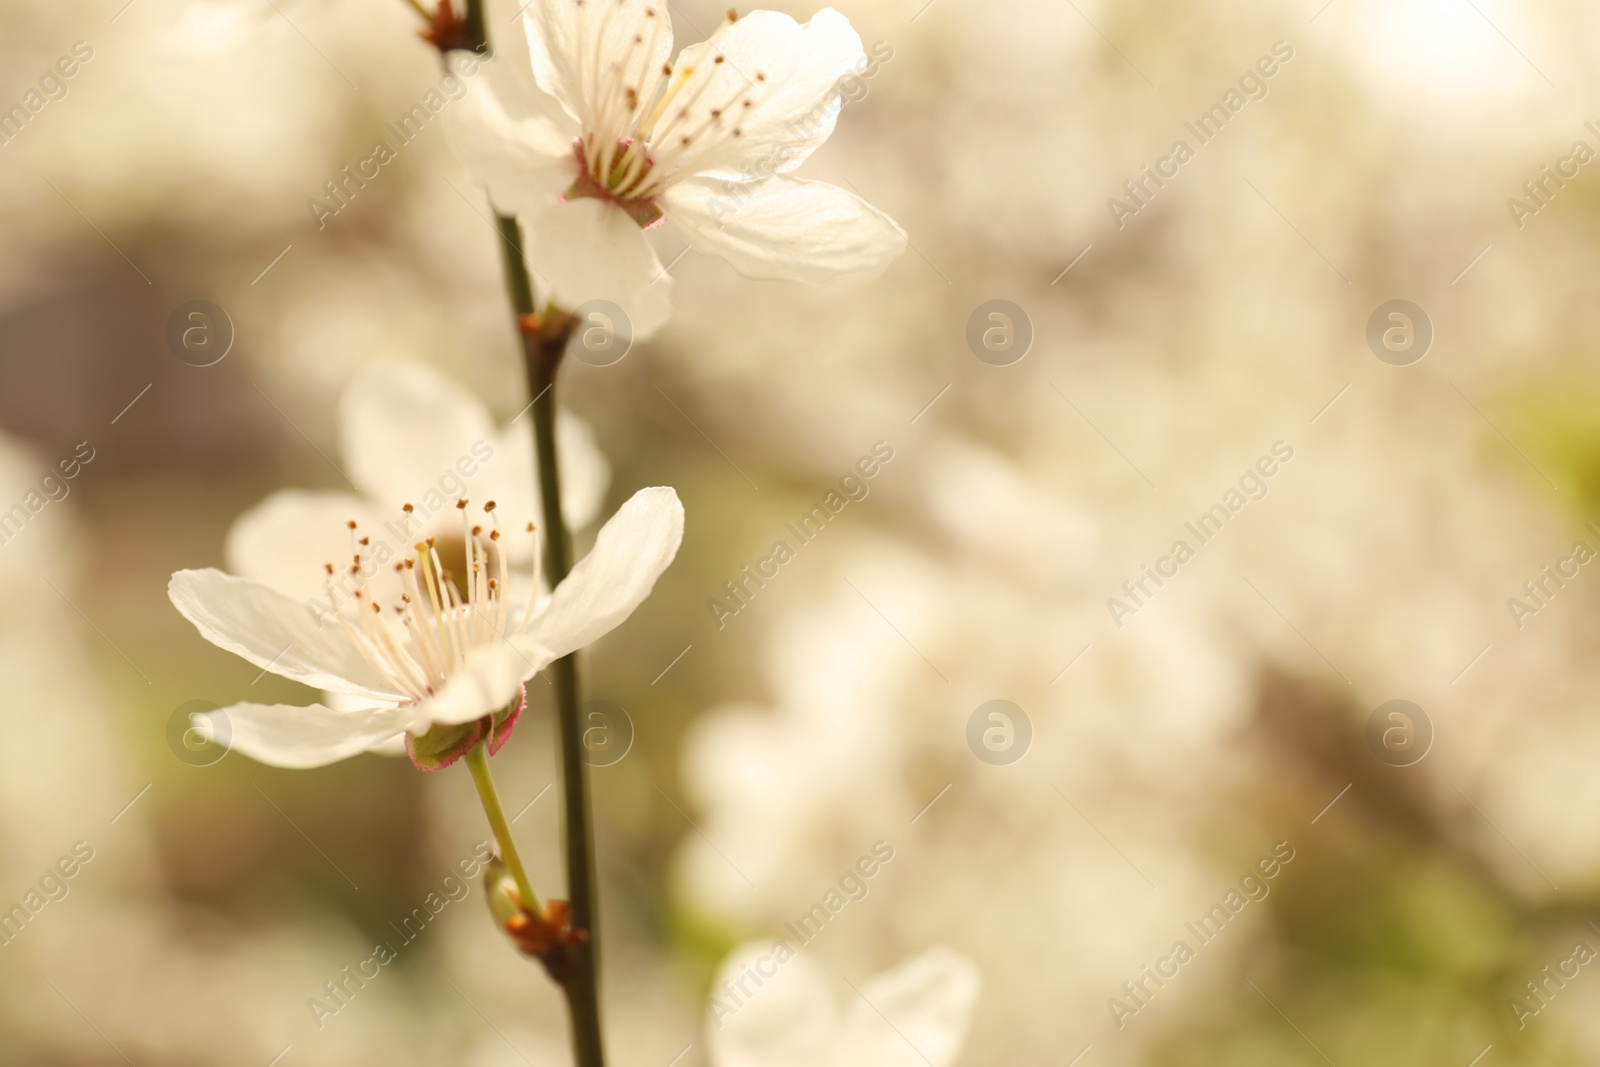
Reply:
x=1157 y=746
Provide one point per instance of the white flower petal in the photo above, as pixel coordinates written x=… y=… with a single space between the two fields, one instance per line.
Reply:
x=516 y=138
x=285 y=540
x=587 y=249
x=485 y=684
x=406 y=430
x=629 y=554
x=275 y=633
x=394 y=746
x=913 y=1016
x=285 y=735
x=793 y=108
x=790 y=1021
x=343 y=702
x=785 y=228
x=568 y=38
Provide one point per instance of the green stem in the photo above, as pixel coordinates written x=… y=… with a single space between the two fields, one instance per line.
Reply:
x=544 y=341
x=542 y=352
x=478 y=764
x=477 y=29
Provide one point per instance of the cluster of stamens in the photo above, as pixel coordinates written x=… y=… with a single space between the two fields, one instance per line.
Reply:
x=441 y=624
x=650 y=124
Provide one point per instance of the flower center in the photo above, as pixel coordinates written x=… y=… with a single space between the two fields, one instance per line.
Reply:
x=612 y=176
x=647 y=124
x=442 y=617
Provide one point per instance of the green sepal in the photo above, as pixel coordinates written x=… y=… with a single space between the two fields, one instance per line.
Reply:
x=442 y=745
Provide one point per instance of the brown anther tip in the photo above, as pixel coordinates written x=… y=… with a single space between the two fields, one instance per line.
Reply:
x=477 y=531
x=365 y=541
x=733 y=16
x=376 y=608
x=328 y=567
x=461 y=505
x=488 y=505
x=760 y=77
x=494 y=535
x=351 y=523
x=432 y=541
x=530 y=527
x=407 y=508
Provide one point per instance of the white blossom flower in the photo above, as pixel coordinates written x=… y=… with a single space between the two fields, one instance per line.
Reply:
x=430 y=655
x=409 y=435
x=608 y=138
x=772 y=1006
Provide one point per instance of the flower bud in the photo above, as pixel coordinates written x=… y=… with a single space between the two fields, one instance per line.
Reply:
x=500 y=890
x=544 y=934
